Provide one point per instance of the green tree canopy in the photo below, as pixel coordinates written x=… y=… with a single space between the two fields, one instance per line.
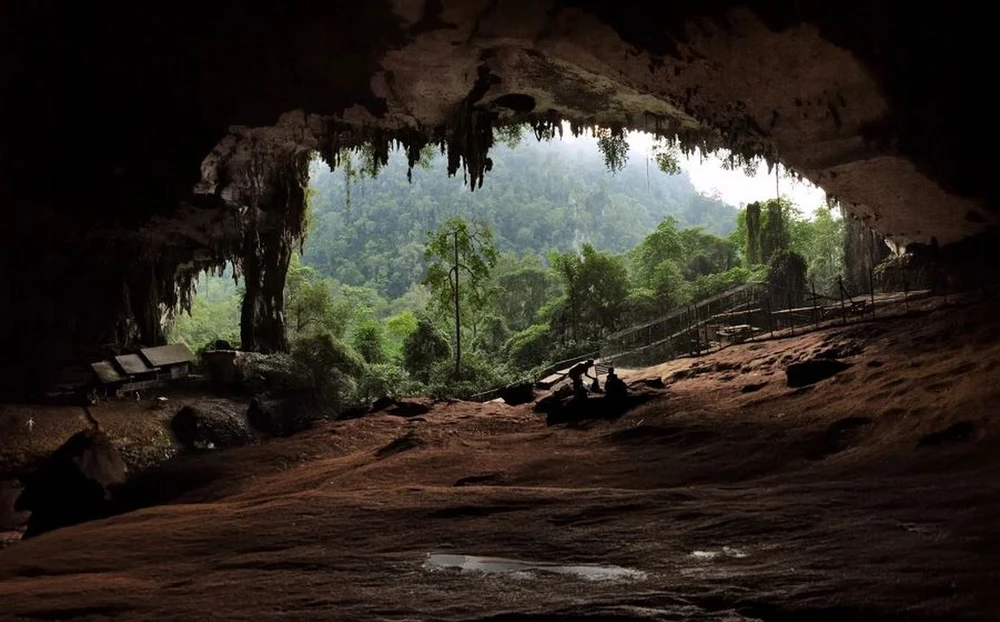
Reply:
x=423 y=348
x=460 y=256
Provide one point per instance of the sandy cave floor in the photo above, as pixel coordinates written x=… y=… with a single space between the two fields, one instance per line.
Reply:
x=772 y=504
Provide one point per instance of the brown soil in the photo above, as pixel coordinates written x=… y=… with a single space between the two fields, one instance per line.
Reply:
x=831 y=504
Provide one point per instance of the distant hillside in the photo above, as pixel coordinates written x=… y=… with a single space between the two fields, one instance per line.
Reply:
x=538 y=197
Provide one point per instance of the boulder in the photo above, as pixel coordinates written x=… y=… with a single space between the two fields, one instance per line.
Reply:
x=10 y=518
x=654 y=382
x=222 y=365
x=282 y=416
x=215 y=428
x=554 y=401
x=410 y=407
x=382 y=403
x=812 y=371
x=516 y=394
x=401 y=407
x=73 y=485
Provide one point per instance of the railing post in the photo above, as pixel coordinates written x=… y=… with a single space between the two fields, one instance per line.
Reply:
x=770 y=319
x=791 y=320
x=843 y=309
x=814 y=310
x=871 y=288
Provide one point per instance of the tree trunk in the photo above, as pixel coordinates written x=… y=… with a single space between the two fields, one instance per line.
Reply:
x=458 y=317
x=265 y=266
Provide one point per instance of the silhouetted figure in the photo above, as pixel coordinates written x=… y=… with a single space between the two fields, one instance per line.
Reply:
x=615 y=386
x=576 y=374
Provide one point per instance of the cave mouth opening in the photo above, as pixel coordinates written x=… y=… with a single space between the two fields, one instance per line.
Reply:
x=358 y=272
x=836 y=97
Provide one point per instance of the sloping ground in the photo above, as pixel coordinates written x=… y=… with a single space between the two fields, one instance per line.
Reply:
x=870 y=495
x=139 y=429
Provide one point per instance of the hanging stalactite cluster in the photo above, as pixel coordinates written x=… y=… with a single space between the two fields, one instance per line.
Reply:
x=267 y=185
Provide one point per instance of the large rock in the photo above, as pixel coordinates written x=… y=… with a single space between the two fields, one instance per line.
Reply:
x=10 y=518
x=516 y=394
x=214 y=428
x=74 y=485
x=282 y=416
x=222 y=365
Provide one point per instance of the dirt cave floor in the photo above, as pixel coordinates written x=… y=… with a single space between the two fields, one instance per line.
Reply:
x=870 y=495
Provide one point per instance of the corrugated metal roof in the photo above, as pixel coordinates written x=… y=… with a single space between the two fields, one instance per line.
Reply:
x=168 y=355
x=132 y=364
x=106 y=372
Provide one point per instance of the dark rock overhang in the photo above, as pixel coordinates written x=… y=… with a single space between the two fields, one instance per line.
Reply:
x=143 y=143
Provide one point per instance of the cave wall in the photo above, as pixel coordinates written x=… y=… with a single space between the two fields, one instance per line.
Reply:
x=140 y=144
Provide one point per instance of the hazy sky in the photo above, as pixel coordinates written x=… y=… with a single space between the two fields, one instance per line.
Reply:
x=736 y=187
x=733 y=187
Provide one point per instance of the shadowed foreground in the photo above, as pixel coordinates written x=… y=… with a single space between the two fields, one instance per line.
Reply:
x=870 y=495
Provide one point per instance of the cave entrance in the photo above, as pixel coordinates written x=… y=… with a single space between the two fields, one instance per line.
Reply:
x=359 y=275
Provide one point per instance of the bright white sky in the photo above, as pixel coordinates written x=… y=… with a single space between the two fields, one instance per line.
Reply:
x=736 y=187
x=733 y=187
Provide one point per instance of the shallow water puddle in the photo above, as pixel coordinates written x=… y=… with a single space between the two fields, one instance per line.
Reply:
x=514 y=567
x=726 y=551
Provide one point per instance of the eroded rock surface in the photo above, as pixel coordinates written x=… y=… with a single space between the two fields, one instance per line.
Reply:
x=74 y=485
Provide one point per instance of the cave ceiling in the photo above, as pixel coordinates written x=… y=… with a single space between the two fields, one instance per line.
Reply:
x=143 y=142
x=156 y=112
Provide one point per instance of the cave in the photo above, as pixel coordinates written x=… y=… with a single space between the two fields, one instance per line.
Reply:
x=189 y=133
x=184 y=136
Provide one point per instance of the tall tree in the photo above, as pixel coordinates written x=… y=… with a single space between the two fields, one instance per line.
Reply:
x=460 y=256
x=753 y=255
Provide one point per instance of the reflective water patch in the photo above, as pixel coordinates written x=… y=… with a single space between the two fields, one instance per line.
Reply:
x=500 y=565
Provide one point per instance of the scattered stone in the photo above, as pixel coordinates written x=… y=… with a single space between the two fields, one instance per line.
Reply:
x=680 y=374
x=73 y=485
x=411 y=407
x=753 y=388
x=955 y=433
x=382 y=403
x=654 y=382
x=553 y=401
x=521 y=393
x=160 y=403
x=812 y=371
x=195 y=428
x=281 y=417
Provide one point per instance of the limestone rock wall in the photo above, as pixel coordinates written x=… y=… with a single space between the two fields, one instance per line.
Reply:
x=142 y=143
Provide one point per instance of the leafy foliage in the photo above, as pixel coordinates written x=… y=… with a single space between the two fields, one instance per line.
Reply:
x=330 y=367
x=540 y=196
x=368 y=340
x=568 y=258
x=613 y=145
x=309 y=304
x=461 y=256
x=423 y=348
